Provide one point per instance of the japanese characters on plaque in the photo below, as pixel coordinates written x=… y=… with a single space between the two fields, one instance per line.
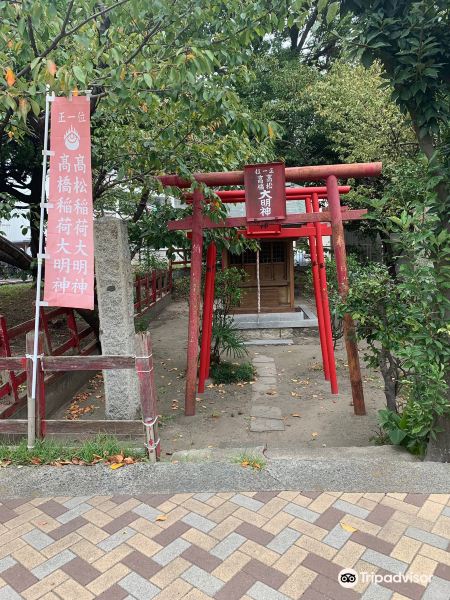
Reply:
x=265 y=196
x=69 y=253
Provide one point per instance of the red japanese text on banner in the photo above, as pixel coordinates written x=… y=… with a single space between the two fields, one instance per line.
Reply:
x=265 y=195
x=69 y=262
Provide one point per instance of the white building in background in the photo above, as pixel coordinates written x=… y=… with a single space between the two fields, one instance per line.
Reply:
x=16 y=229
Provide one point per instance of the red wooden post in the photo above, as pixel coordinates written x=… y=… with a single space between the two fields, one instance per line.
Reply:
x=211 y=308
x=208 y=300
x=153 y=287
x=318 y=298
x=325 y=303
x=72 y=325
x=40 y=416
x=147 y=291
x=137 y=304
x=341 y=267
x=5 y=350
x=194 y=303
x=149 y=403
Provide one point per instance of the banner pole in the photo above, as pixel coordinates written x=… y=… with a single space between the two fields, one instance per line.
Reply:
x=31 y=412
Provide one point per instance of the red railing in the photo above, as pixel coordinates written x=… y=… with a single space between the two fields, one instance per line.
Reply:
x=150 y=288
x=13 y=385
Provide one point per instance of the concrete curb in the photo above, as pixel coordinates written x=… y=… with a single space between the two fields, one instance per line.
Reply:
x=340 y=475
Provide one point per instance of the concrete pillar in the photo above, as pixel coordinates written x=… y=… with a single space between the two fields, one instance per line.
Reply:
x=116 y=311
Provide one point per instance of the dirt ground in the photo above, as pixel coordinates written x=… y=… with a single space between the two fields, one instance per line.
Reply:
x=223 y=412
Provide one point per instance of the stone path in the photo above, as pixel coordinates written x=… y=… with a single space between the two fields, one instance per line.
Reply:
x=227 y=546
x=265 y=417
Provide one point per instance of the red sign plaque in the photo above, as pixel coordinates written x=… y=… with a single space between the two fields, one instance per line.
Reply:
x=69 y=261
x=265 y=196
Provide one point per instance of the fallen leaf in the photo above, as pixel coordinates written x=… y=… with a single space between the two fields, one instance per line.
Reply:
x=10 y=77
x=117 y=458
x=245 y=463
x=348 y=528
x=117 y=465
x=271 y=393
x=161 y=518
x=295 y=415
x=314 y=434
x=129 y=460
x=36 y=460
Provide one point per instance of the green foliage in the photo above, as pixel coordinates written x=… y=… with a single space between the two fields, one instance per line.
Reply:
x=163 y=84
x=48 y=451
x=360 y=120
x=181 y=286
x=405 y=429
x=343 y=115
x=250 y=460
x=412 y=40
x=402 y=317
x=151 y=230
x=354 y=267
x=150 y=262
x=226 y=372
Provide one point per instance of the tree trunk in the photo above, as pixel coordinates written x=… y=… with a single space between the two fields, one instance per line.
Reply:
x=390 y=378
x=12 y=255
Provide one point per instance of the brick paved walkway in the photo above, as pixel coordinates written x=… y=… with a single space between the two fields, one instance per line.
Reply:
x=260 y=546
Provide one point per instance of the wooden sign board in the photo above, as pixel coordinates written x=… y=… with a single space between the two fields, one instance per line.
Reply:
x=265 y=195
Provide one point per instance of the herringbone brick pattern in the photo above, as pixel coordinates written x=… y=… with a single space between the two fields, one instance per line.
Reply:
x=227 y=546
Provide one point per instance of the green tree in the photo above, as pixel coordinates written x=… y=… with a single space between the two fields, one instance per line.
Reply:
x=411 y=39
x=162 y=79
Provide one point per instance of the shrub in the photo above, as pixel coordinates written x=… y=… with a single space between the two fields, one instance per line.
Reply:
x=227 y=295
x=226 y=372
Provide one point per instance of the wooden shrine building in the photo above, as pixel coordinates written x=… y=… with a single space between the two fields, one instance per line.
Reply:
x=276 y=277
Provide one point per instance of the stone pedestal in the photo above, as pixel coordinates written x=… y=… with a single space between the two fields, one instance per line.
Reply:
x=116 y=311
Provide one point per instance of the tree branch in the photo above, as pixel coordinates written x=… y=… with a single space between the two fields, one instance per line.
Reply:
x=32 y=38
x=141 y=206
x=63 y=33
x=308 y=25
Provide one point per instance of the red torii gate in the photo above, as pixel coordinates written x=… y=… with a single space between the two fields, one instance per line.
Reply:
x=336 y=215
x=314 y=232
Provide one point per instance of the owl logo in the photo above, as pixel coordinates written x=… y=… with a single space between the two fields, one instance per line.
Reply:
x=72 y=139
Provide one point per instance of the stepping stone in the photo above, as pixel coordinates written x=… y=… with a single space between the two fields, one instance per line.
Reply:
x=266 y=371
x=266 y=412
x=267 y=380
x=259 y=425
x=262 y=359
x=262 y=386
